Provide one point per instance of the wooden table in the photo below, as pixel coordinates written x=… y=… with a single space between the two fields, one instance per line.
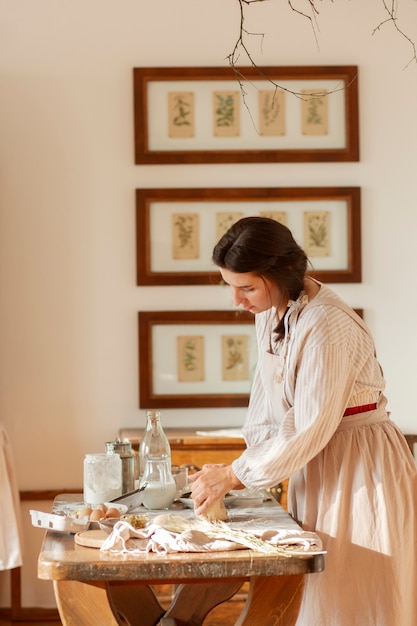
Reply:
x=108 y=589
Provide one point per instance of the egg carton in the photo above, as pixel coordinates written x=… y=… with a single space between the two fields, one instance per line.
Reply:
x=60 y=523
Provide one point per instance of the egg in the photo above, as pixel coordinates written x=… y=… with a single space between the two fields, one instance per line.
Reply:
x=84 y=512
x=112 y=512
x=96 y=515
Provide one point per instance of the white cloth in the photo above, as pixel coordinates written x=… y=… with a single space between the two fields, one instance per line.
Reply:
x=172 y=533
x=10 y=517
x=353 y=480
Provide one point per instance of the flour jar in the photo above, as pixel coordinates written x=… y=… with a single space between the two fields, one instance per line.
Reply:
x=102 y=477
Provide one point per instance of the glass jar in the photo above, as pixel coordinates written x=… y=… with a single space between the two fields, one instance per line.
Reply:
x=155 y=462
x=124 y=450
x=102 y=477
x=160 y=485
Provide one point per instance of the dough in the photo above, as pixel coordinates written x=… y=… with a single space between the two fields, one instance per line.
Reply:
x=217 y=511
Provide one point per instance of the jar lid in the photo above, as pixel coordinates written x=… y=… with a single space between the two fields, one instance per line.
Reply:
x=121 y=447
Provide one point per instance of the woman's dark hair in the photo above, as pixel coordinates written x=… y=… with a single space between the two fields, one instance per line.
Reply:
x=267 y=248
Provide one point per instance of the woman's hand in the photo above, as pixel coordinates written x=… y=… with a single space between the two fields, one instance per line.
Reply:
x=211 y=484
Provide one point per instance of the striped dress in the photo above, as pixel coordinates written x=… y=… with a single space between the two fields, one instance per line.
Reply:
x=353 y=479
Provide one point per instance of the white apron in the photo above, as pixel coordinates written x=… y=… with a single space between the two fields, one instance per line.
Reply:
x=357 y=495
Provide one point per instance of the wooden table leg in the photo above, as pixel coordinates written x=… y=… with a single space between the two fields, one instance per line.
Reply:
x=84 y=603
x=272 y=601
x=137 y=603
x=103 y=603
x=275 y=600
x=192 y=602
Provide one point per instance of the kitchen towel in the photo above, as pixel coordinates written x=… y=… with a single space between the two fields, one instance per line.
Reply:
x=173 y=533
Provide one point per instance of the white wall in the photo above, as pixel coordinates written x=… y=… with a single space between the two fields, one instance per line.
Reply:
x=69 y=303
x=68 y=300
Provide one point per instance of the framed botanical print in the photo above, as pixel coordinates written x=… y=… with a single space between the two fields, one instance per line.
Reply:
x=176 y=229
x=265 y=114
x=196 y=358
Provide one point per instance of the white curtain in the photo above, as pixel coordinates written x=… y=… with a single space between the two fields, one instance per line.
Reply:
x=10 y=518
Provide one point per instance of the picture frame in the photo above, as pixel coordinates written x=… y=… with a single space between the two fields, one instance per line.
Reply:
x=229 y=338
x=159 y=370
x=159 y=261
x=253 y=114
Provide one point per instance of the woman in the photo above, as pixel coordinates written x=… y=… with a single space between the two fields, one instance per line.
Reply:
x=317 y=414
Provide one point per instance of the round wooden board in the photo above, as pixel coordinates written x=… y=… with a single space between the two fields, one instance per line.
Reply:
x=91 y=538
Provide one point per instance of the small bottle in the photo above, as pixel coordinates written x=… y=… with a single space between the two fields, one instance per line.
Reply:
x=155 y=460
x=124 y=450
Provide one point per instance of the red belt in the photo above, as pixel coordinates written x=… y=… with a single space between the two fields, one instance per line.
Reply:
x=352 y=410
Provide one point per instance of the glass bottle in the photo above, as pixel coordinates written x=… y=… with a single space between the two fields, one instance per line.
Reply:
x=155 y=461
x=154 y=434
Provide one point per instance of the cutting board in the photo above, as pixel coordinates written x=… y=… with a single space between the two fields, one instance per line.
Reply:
x=91 y=538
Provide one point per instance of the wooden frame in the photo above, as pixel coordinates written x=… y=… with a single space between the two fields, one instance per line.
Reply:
x=178 y=119
x=158 y=381
x=156 y=208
